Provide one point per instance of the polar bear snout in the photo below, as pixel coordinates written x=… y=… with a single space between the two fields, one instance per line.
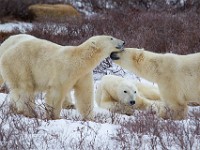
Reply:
x=132 y=102
x=121 y=46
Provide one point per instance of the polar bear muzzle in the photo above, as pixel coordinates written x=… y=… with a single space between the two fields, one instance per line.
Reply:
x=121 y=46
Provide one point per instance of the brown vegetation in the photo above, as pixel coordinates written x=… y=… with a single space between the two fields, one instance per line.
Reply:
x=141 y=130
x=5 y=35
x=152 y=25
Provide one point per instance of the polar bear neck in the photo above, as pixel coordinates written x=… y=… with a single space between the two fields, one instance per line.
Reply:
x=149 y=64
x=87 y=56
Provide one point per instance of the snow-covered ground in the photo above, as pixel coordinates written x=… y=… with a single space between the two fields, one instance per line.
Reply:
x=108 y=131
x=111 y=131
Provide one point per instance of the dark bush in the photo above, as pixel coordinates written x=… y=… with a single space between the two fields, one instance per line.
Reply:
x=159 y=32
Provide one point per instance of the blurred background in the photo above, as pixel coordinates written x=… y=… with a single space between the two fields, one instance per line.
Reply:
x=156 y=25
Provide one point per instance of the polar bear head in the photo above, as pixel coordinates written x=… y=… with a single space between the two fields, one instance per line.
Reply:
x=128 y=57
x=106 y=44
x=127 y=93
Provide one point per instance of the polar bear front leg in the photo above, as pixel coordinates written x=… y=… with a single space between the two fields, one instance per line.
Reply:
x=54 y=99
x=84 y=96
x=67 y=104
x=173 y=111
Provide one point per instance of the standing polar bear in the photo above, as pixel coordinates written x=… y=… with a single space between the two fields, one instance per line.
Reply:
x=177 y=76
x=30 y=65
x=120 y=95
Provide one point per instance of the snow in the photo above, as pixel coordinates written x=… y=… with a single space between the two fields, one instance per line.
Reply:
x=182 y=2
x=102 y=133
x=21 y=26
x=64 y=131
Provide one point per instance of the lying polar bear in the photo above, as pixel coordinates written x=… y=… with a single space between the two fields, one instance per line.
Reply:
x=29 y=65
x=120 y=95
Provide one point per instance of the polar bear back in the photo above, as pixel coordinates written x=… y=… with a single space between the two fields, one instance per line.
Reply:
x=13 y=42
x=33 y=55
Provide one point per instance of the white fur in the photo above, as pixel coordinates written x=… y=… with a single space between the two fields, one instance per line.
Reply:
x=110 y=95
x=30 y=64
x=177 y=77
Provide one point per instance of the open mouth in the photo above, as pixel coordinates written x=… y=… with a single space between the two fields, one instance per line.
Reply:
x=114 y=56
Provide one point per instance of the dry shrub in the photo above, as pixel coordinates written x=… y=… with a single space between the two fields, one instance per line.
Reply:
x=159 y=32
x=14 y=129
x=149 y=28
x=142 y=129
x=146 y=130
x=19 y=9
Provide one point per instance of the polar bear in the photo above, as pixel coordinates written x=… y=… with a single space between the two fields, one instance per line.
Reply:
x=30 y=64
x=148 y=91
x=121 y=95
x=177 y=76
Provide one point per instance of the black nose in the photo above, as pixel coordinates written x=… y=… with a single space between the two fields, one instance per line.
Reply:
x=123 y=42
x=132 y=102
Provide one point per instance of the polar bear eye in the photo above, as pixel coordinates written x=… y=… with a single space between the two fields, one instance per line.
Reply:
x=125 y=91
x=111 y=38
x=135 y=92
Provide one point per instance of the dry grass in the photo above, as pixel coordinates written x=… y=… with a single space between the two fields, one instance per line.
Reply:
x=140 y=131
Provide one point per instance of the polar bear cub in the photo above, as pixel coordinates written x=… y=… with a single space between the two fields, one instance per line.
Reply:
x=29 y=65
x=120 y=95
